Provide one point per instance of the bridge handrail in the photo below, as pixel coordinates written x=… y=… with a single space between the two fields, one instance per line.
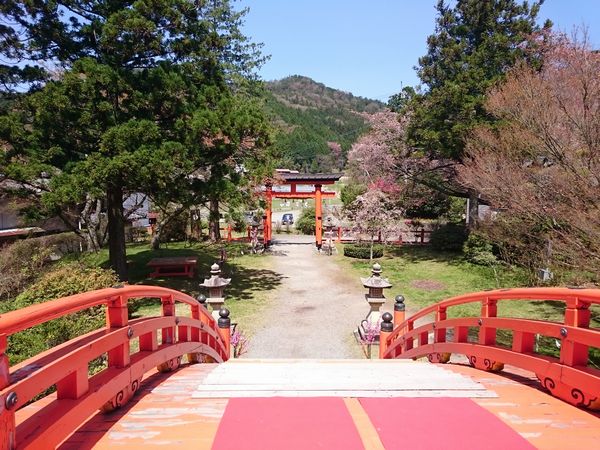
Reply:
x=563 y=294
x=14 y=321
x=162 y=342
x=568 y=376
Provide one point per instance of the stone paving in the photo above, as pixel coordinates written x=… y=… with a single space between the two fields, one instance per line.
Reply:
x=316 y=308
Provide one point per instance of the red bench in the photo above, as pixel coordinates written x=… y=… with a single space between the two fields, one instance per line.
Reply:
x=182 y=266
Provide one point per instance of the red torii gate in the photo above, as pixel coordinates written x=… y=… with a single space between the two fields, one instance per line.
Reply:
x=317 y=180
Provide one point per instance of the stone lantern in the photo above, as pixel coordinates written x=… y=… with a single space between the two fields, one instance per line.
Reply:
x=376 y=284
x=215 y=285
x=328 y=246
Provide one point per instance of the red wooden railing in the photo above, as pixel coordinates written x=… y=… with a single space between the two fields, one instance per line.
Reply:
x=162 y=342
x=228 y=233
x=416 y=237
x=568 y=376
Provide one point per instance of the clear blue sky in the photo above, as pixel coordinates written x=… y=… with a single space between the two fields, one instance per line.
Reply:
x=367 y=47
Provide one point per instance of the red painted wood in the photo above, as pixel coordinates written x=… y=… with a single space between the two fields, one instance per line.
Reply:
x=302 y=195
x=182 y=266
x=567 y=377
x=66 y=365
x=318 y=215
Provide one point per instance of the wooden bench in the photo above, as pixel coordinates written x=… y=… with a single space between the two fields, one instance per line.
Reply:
x=182 y=266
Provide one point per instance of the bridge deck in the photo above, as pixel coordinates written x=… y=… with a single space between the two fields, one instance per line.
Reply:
x=203 y=406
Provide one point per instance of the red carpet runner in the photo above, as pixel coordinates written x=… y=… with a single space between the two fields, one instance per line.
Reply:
x=286 y=423
x=439 y=423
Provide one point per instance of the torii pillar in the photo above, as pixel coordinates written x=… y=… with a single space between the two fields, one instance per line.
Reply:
x=267 y=234
x=318 y=216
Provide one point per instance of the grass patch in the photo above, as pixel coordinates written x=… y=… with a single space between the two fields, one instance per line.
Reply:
x=424 y=276
x=252 y=279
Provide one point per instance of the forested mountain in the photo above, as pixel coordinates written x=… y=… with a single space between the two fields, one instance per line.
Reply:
x=316 y=124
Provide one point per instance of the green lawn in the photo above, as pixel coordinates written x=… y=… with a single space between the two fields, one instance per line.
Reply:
x=252 y=280
x=425 y=277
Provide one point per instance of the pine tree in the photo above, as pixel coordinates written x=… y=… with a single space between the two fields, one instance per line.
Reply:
x=474 y=44
x=122 y=100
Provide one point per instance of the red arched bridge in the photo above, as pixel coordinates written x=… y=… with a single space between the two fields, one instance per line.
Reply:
x=310 y=404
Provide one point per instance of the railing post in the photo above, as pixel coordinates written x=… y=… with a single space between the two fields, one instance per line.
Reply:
x=487 y=336
x=229 y=235
x=409 y=342
x=4 y=364
x=73 y=385
x=195 y=335
x=399 y=310
x=339 y=234
x=439 y=334
x=489 y=308
x=387 y=326
x=7 y=408
x=168 y=309
x=523 y=342
x=224 y=323
x=577 y=314
x=116 y=317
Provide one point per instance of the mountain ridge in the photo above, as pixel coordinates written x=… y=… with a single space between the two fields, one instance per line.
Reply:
x=316 y=124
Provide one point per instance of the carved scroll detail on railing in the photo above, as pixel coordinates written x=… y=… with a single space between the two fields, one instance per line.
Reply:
x=163 y=341
x=568 y=376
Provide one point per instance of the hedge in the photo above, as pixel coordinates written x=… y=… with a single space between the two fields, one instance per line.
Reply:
x=363 y=251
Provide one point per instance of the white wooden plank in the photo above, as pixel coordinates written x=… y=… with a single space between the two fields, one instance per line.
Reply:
x=335 y=377
x=342 y=393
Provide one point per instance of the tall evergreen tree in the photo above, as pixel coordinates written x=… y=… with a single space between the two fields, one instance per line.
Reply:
x=119 y=102
x=474 y=44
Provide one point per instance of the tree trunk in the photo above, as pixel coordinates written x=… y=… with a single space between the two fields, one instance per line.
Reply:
x=155 y=241
x=473 y=212
x=214 y=232
x=92 y=221
x=116 y=230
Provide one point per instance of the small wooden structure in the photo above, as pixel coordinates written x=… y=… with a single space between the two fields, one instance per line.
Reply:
x=180 y=266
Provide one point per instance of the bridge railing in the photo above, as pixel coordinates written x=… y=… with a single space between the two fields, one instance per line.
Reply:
x=161 y=342
x=569 y=376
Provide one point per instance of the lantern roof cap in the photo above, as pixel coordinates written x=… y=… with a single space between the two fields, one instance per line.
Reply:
x=375 y=280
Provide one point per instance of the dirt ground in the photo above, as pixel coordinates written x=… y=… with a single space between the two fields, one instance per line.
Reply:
x=315 y=310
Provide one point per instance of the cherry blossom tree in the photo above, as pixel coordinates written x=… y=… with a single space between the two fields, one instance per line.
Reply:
x=382 y=160
x=374 y=214
x=374 y=157
x=540 y=167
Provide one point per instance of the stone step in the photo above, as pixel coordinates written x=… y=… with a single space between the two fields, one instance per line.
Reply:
x=332 y=378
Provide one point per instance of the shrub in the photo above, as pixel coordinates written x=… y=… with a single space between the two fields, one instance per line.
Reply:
x=65 y=280
x=448 y=237
x=479 y=250
x=350 y=192
x=62 y=243
x=20 y=263
x=363 y=250
x=176 y=228
x=306 y=222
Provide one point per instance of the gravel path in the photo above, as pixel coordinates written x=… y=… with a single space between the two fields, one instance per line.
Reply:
x=315 y=310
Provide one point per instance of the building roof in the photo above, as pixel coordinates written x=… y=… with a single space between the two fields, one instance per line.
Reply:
x=311 y=178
